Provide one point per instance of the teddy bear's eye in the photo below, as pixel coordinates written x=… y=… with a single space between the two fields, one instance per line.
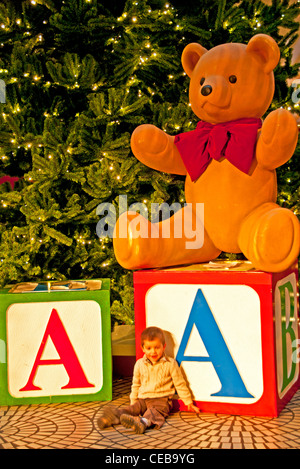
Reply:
x=232 y=78
x=202 y=81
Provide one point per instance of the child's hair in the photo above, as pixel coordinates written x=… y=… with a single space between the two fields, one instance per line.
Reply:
x=151 y=333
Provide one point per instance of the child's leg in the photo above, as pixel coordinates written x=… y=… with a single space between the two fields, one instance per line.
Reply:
x=111 y=415
x=135 y=423
x=157 y=411
x=152 y=412
x=130 y=417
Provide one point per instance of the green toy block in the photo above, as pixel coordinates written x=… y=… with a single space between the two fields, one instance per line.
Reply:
x=55 y=343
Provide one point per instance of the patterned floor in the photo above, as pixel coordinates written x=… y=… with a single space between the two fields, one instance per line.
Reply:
x=74 y=426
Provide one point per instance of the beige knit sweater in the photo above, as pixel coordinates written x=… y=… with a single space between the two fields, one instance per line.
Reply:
x=158 y=380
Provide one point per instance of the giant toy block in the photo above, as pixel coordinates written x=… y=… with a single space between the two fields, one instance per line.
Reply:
x=55 y=343
x=233 y=329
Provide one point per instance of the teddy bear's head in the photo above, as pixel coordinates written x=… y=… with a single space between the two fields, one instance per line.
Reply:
x=231 y=81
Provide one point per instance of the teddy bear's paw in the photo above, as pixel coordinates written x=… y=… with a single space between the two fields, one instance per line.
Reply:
x=270 y=238
x=279 y=125
x=148 y=139
x=278 y=139
x=133 y=244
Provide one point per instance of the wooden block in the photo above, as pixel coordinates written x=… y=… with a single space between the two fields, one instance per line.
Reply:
x=233 y=329
x=56 y=346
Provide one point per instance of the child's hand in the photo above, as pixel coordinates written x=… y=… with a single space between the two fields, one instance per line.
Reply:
x=193 y=408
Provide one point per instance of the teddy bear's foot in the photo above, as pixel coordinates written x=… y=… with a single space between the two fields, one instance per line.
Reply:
x=140 y=244
x=131 y=241
x=270 y=238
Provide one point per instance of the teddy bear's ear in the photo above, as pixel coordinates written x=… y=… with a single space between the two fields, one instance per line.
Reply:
x=190 y=56
x=267 y=49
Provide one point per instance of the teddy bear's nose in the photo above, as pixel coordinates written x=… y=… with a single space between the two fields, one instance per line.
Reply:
x=206 y=90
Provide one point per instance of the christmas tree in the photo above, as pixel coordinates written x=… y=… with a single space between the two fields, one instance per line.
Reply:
x=79 y=76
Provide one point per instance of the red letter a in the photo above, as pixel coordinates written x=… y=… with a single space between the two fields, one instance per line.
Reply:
x=68 y=357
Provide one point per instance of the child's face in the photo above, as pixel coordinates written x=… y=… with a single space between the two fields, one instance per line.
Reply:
x=153 y=349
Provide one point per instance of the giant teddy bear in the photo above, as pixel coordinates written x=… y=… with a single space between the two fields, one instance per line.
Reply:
x=230 y=163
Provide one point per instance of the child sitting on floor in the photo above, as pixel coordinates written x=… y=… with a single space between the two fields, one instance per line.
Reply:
x=155 y=379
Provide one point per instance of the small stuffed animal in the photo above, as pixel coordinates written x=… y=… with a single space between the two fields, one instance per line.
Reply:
x=230 y=163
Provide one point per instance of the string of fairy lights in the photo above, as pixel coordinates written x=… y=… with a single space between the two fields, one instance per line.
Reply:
x=148 y=53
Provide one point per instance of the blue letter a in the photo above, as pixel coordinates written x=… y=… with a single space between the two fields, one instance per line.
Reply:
x=218 y=354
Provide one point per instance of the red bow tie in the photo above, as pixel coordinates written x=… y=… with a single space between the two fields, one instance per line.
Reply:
x=234 y=140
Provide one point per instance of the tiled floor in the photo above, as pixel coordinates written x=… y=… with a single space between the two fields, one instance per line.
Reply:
x=70 y=426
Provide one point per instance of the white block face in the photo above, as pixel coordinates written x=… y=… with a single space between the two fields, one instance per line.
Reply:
x=54 y=348
x=287 y=333
x=214 y=331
